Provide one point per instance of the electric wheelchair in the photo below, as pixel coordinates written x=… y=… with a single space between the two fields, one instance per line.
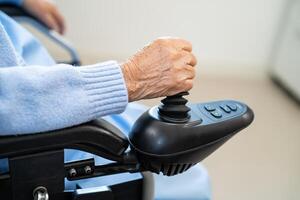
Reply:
x=168 y=139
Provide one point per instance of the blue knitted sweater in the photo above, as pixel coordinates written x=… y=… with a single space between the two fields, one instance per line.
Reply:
x=38 y=95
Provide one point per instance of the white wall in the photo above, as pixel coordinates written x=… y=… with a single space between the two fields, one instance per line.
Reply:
x=228 y=35
x=286 y=65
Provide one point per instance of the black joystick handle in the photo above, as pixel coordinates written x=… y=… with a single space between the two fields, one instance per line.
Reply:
x=174 y=109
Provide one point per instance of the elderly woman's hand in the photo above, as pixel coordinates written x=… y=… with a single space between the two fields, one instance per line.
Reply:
x=47 y=12
x=164 y=67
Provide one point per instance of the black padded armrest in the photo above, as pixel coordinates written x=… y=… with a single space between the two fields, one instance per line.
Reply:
x=17 y=11
x=98 y=137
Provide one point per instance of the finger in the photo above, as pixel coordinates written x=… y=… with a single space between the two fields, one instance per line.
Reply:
x=181 y=44
x=188 y=58
x=186 y=72
x=193 y=60
x=188 y=84
x=60 y=21
x=185 y=86
x=190 y=72
x=51 y=22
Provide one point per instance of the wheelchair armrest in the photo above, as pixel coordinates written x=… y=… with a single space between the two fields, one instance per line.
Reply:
x=17 y=11
x=36 y=164
x=97 y=137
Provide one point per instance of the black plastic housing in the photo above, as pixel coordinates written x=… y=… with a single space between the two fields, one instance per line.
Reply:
x=172 y=148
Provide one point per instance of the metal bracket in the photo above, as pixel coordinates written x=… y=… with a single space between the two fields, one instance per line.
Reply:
x=29 y=172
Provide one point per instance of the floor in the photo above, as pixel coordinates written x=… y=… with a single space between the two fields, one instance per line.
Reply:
x=263 y=161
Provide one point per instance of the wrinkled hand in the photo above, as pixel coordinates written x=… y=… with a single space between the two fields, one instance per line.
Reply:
x=164 y=67
x=47 y=12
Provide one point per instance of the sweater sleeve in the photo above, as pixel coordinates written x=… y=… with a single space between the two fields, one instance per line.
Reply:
x=15 y=2
x=36 y=99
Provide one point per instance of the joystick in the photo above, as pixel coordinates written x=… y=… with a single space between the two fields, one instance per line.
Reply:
x=174 y=109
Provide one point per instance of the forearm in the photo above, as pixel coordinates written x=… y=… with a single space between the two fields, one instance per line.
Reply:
x=37 y=99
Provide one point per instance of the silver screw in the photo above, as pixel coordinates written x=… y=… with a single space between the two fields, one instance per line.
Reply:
x=40 y=193
x=87 y=169
x=72 y=172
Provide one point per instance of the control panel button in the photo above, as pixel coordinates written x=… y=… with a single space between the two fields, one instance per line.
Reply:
x=216 y=114
x=225 y=108
x=209 y=107
x=232 y=107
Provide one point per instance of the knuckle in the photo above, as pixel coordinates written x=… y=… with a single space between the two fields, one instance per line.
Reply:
x=184 y=53
x=194 y=59
x=178 y=69
x=179 y=56
x=188 y=44
x=175 y=55
x=159 y=41
x=191 y=59
x=188 y=56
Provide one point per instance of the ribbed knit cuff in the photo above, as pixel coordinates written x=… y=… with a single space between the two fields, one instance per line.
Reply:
x=105 y=87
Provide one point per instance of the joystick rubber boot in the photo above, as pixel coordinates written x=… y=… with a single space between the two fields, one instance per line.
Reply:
x=173 y=109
